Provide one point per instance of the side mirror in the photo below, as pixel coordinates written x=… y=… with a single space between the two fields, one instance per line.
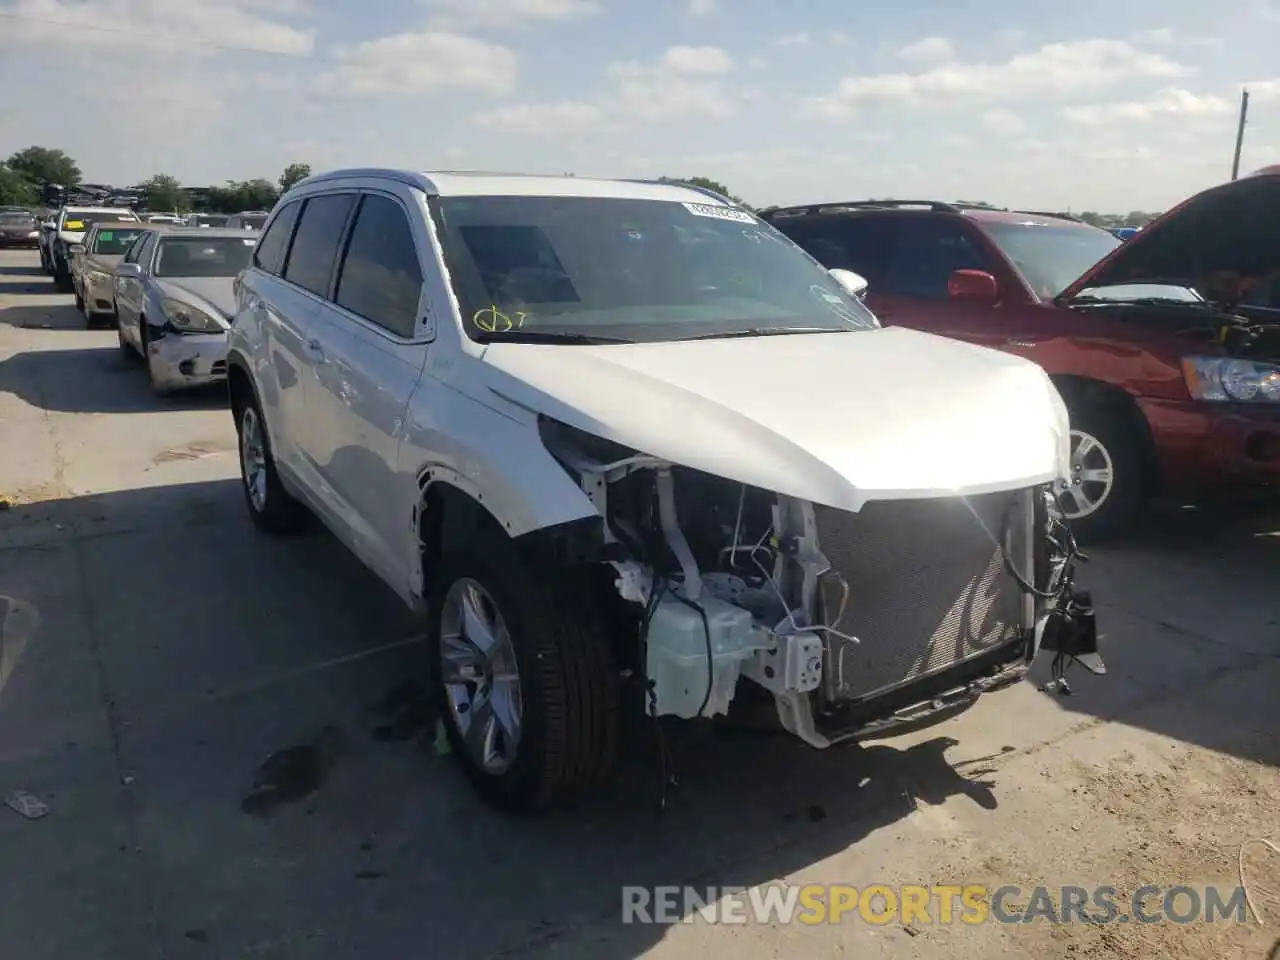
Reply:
x=129 y=270
x=854 y=284
x=973 y=285
x=76 y=248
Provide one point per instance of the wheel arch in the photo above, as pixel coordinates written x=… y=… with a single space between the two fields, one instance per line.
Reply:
x=1079 y=391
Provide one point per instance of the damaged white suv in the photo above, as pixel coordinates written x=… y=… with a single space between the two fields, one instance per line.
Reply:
x=629 y=447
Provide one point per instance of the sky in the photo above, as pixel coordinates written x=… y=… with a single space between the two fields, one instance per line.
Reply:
x=1110 y=105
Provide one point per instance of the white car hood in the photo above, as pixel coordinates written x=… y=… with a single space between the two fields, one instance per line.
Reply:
x=838 y=419
x=72 y=236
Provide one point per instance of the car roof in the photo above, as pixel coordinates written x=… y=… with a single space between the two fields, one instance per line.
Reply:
x=467 y=183
x=101 y=225
x=981 y=213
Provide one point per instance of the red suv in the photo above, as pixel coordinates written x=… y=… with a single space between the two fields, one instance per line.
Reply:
x=1166 y=347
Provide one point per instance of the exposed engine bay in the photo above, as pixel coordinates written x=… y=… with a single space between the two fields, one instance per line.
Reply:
x=856 y=623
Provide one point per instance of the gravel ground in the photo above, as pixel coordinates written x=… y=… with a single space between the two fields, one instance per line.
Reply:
x=154 y=653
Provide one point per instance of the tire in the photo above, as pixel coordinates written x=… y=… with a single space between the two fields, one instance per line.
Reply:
x=568 y=681
x=1113 y=441
x=277 y=512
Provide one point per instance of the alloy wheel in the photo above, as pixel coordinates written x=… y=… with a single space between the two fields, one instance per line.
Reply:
x=1092 y=477
x=253 y=456
x=481 y=675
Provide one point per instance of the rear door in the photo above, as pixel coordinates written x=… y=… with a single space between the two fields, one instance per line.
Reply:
x=373 y=345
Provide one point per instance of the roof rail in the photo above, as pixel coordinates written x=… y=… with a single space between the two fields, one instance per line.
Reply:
x=936 y=206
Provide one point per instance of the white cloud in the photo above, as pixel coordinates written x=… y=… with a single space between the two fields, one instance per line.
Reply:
x=158 y=25
x=1170 y=102
x=799 y=39
x=1168 y=37
x=1004 y=123
x=1263 y=90
x=928 y=50
x=1267 y=10
x=1054 y=70
x=546 y=119
x=683 y=83
x=499 y=13
x=407 y=63
x=758 y=63
x=701 y=8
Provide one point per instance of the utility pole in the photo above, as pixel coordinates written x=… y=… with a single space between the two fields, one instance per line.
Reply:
x=1244 y=113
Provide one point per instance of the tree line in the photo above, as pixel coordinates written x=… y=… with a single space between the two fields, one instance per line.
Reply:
x=25 y=175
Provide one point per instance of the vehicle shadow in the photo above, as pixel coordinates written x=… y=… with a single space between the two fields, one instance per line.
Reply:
x=47 y=316
x=32 y=282
x=235 y=665
x=93 y=380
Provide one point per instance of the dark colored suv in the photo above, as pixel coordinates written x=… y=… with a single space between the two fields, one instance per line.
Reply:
x=1166 y=347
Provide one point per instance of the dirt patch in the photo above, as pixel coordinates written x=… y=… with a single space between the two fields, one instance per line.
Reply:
x=190 y=451
x=1185 y=822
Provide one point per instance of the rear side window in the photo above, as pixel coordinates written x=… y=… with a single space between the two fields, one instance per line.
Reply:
x=315 y=243
x=925 y=252
x=380 y=278
x=858 y=243
x=274 y=244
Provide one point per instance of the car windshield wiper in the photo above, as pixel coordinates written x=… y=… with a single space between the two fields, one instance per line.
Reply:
x=548 y=336
x=768 y=332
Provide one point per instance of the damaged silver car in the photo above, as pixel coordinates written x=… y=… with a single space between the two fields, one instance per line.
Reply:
x=627 y=447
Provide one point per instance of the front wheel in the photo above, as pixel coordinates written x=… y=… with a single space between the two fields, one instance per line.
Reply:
x=271 y=507
x=1104 y=496
x=523 y=664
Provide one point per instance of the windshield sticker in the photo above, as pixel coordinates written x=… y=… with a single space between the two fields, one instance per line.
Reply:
x=105 y=235
x=493 y=320
x=719 y=213
x=73 y=225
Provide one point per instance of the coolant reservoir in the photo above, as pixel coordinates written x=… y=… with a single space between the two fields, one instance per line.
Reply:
x=677 y=658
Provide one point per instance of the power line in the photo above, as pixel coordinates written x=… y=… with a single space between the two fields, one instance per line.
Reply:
x=167 y=38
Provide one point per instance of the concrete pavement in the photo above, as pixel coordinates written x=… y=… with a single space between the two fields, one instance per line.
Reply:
x=155 y=652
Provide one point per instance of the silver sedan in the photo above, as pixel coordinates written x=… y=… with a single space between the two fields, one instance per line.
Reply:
x=175 y=299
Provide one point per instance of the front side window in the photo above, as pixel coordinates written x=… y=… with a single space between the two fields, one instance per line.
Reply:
x=925 y=252
x=633 y=270
x=114 y=242
x=315 y=244
x=380 y=278
x=1050 y=257
x=202 y=256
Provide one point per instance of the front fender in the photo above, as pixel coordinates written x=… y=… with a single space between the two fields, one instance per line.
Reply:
x=496 y=458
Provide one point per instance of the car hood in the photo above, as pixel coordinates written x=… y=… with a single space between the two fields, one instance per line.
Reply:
x=218 y=292
x=838 y=419
x=72 y=236
x=1232 y=229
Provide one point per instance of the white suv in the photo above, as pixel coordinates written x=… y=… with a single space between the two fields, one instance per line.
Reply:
x=628 y=447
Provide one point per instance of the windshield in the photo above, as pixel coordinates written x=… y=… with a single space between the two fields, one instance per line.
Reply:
x=251 y=221
x=632 y=270
x=1051 y=258
x=79 y=222
x=208 y=220
x=113 y=243
x=17 y=220
x=1141 y=291
x=203 y=256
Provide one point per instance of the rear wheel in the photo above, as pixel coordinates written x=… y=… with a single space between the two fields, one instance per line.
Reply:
x=1104 y=496
x=271 y=507
x=523 y=664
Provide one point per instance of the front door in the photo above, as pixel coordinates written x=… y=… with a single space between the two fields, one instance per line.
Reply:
x=372 y=352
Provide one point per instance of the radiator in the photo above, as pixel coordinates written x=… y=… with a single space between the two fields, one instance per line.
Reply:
x=927 y=587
